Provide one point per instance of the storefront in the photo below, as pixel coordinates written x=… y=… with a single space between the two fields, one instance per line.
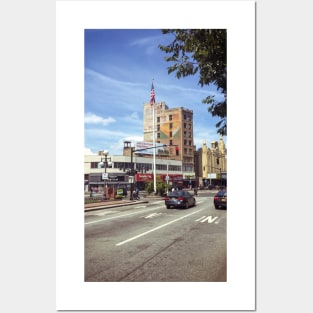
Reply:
x=142 y=180
x=109 y=186
x=175 y=180
x=171 y=179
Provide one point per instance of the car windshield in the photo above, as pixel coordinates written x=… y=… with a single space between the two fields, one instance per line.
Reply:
x=222 y=193
x=179 y=193
x=175 y=193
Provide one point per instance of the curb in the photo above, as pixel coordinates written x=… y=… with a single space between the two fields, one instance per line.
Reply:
x=105 y=206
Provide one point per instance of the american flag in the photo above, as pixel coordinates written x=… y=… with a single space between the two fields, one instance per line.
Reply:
x=152 y=95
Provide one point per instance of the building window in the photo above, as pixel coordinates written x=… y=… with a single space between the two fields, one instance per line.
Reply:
x=171 y=142
x=158 y=119
x=94 y=164
x=185 y=142
x=184 y=125
x=161 y=167
x=171 y=125
x=174 y=168
x=171 y=134
x=158 y=128
x=158 y=135
x=170 y=117
x=189 y=142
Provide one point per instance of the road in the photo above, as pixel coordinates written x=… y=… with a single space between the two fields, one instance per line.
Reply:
x=149 y=243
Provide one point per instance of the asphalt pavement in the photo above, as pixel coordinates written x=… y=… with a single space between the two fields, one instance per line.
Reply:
x=121 y=202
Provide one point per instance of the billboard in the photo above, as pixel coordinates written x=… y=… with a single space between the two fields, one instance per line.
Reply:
x=142 y=145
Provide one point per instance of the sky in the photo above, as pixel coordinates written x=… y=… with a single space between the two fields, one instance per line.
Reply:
x=120 y=65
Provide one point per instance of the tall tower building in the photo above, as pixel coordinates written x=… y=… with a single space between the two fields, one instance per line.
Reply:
x=172 y=127
x=214 y=162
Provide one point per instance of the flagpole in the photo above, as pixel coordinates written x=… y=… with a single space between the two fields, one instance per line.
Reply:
x=153 y=135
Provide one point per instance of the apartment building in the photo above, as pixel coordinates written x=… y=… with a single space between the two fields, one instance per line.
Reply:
x=172 y=127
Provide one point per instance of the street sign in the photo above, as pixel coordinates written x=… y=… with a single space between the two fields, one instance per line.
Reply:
x=105 y=175
x=130 y=179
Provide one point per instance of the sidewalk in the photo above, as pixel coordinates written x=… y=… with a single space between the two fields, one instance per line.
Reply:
x=117 y=203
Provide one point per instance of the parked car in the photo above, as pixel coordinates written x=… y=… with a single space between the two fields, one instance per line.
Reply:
x=220 y=199
x=180 y=198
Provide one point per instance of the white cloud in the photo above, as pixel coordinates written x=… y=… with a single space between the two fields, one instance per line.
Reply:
x=88 y=151
x=117 y=146
x=91 y=118
x=134 y=116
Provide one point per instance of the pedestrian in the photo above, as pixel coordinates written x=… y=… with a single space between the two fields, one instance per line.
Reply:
x=137 y=194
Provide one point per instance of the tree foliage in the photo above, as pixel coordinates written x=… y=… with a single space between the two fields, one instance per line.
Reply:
x=201 y=51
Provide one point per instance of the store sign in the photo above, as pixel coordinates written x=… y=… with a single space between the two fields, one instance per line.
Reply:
x=212 y=175
x=144 y=177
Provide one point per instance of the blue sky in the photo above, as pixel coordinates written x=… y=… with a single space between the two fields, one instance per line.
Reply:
x=119 y=68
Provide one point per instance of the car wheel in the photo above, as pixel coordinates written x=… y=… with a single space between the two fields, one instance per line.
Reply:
x=168 y=206
x=187 y=205
x=195 y=203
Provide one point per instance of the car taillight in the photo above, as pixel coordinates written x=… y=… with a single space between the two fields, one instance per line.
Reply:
x=215 y=198
x=166 y=198
x=180 y=198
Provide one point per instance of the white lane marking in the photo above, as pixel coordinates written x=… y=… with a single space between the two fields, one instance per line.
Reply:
x=105 y=213
x=156 y=228
x=200 y=218
x=110 y=218
x=152 y=215
x=210 y=219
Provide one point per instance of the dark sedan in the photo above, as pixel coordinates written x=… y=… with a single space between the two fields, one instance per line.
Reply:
x=180 y=198
x=220 y=200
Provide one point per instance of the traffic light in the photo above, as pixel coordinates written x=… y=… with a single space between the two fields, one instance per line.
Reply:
x=177 y=150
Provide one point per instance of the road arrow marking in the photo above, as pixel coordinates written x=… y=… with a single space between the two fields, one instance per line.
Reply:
x=152 y=215
x=199 y=219
x=210 y=219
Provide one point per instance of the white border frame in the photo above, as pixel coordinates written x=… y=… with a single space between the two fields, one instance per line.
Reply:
x=238 y=17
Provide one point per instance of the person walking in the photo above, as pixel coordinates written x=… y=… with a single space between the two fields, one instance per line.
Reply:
x=137 y=194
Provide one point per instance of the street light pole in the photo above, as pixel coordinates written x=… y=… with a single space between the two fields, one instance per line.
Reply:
x=104 y=162
x=132 y=172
